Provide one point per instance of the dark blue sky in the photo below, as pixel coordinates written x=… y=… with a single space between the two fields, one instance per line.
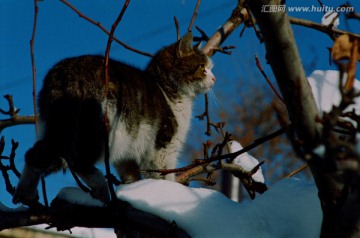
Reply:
x=148 y=26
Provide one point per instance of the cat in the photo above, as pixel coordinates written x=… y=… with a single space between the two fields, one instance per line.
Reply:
x=149 y=114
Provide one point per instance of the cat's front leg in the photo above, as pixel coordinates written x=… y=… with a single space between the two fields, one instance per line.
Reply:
x=96 y=181
x=128 y=171
x=26 y=190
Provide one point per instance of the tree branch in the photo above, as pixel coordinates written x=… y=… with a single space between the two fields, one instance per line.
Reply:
x=285 y=62
x=64 y=215
x=32 y=53
x=14 y=119
x=334 y=163
x=106 y=119
x=194 y=15
x=237 y=17
x=320 y=27
x=98 y=24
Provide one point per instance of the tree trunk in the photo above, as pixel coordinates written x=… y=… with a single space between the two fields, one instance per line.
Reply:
x=338 y=189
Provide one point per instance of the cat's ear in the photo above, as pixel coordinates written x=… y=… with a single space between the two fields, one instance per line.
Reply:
x=185 y=45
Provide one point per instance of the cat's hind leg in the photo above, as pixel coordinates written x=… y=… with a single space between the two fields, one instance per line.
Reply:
x=53 y=151
x=39 y=161
x=90 y=142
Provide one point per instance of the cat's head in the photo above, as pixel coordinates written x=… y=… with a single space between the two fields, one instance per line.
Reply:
x=182 y=68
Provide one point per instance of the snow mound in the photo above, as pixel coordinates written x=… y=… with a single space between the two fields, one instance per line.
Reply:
x=290 y=208
x=325 y=88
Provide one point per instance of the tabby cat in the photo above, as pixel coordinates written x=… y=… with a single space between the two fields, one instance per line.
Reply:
x=149 y=114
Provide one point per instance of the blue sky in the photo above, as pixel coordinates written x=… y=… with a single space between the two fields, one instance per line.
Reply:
x=148 y=26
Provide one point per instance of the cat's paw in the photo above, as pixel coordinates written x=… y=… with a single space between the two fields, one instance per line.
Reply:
x=26 y=190
x=101 y=194
x=25 y=197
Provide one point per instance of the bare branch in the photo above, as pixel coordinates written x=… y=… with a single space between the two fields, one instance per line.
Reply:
x=258 y=64
x=14 y=119
x=285 y=62
x=106 y=67
x=32 y=41
x=98 y=24
x=200 y=166
x=64 y=215
x=353 y=15
x=296 y=171
x=320 y=27
x=177 y=26
x=194 y=15
x=237 y=17
x=334 y=162
x=11 y=165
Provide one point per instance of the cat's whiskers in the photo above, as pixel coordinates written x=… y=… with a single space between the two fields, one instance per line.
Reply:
x=214 y=101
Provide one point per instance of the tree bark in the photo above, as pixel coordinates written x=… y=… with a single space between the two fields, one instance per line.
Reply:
x=338 y=189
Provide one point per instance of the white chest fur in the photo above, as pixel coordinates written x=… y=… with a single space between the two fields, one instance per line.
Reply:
x=141 y=148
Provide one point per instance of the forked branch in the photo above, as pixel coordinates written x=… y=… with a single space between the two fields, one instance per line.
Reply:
x=98 y=24
x=14 y=119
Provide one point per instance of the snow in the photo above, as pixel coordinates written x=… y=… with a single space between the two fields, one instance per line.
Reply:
x=78 y=196
x=246 y=161
x=77 y=232
x=325 y=87
x=329 y=17
x=288 y=209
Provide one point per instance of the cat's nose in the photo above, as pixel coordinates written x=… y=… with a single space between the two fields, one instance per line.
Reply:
x=213 y=78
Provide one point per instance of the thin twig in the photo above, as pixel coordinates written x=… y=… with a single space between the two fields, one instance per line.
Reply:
x=298 y=170
x=321 y=5
x=32 y=53
x=230 y=156
x=203 y=37
x=12 y=111
x=106 y=67
x=98 y=24
x=206 y=114
x=194 y=16
x=258 y=64
x=177 y=26
x=353 y=15
x=11 y=167
x=253 y=24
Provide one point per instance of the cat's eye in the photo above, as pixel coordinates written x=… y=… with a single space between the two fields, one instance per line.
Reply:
x=201 y=67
